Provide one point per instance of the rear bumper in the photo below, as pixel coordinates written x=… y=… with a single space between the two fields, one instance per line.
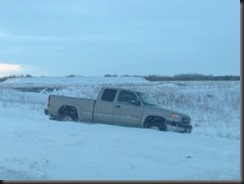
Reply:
x=46 y=112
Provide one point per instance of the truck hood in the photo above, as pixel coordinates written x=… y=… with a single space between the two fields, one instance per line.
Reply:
x=160 y=111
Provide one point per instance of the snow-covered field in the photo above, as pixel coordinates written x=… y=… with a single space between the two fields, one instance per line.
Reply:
x=34 y=147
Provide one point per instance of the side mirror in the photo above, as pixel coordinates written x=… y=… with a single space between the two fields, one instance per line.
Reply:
x=135 y=102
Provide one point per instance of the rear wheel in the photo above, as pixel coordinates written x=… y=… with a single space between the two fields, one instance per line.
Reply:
x=67 y=113
x=66 y=117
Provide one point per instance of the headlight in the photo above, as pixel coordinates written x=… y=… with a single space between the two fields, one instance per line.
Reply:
x=175 y=117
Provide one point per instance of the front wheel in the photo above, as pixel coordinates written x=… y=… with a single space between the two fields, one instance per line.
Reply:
x=155 y=127
x=158 y=124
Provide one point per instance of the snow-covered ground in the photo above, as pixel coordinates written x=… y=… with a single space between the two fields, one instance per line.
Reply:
x=34 y=147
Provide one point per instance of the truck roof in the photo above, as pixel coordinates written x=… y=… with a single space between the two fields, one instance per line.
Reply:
x=120 y=88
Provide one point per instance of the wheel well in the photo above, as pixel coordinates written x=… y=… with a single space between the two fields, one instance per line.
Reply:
x=151 y=119
x=68 y=110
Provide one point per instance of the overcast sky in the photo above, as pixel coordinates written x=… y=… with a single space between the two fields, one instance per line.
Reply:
x=135 y=37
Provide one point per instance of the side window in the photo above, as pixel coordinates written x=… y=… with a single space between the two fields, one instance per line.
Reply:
x=128 y=97
x=108 y=95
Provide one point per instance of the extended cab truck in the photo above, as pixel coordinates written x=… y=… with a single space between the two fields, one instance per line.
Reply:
x=118 y=107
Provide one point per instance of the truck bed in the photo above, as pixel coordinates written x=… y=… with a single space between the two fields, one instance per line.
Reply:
x=84 y=107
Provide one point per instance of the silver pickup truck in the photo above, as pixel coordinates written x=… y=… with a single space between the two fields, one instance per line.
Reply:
x=118 y=106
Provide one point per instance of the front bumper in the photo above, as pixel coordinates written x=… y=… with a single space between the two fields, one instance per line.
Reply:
x=180 y=126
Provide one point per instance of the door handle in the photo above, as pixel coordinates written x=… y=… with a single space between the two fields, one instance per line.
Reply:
x=118 y=106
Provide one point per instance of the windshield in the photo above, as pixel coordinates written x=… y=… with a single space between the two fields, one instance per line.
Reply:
x=147 y=100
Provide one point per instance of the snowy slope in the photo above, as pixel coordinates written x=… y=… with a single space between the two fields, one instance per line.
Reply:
x=34 y=147
x=37 y=148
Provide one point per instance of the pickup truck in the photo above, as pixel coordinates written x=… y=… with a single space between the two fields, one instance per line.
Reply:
x=118 y=106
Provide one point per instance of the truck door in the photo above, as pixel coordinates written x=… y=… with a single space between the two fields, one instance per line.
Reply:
x=128 y=110
x=104 y=107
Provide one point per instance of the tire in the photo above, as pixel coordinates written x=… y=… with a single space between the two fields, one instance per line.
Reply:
x=66 y=117
x=155 y=127
x=158 y=124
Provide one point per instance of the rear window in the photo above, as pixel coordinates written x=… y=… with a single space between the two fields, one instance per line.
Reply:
x=109 y=95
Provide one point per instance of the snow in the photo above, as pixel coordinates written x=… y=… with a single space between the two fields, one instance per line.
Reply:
x=71 y=81
x=36 y=148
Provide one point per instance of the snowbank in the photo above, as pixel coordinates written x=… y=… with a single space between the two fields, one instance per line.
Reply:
x=34 y=147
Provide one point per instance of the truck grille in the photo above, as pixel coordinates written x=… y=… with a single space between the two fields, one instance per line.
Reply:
x=186 y=120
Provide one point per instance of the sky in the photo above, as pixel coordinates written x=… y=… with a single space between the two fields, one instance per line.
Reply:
x=122 y=37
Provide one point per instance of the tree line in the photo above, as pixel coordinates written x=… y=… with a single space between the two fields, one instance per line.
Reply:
x=178 y=77
x=192 y=77
x=15 y=76
x=183 y=77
